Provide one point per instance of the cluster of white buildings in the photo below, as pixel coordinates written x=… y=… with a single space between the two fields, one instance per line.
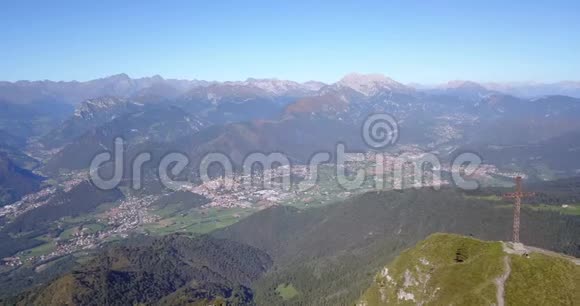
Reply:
x=11 y=261
x=28 y=202
x=131 y=213
x=241 y=192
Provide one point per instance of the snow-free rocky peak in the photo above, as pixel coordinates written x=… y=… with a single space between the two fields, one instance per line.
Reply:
x=88 y=108
x=275 y=86
x=371 y=84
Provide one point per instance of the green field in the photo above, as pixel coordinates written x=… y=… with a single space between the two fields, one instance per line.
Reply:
x=198 y=221
x=569 y=210
x=492 y=197
x=41 y=249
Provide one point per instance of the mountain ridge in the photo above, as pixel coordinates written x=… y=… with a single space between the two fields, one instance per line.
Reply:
x=447 y=268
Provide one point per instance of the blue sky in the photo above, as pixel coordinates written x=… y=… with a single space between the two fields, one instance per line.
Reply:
x=410 y=41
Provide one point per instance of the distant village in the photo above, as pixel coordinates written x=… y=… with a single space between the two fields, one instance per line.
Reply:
x=239 y=192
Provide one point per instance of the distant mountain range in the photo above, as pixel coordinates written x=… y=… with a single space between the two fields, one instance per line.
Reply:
x=519 y=89
x=23 y=92
x=28 y=92
x=263 y=253
x=242 y=116
x=64 y=124
x=121 y=85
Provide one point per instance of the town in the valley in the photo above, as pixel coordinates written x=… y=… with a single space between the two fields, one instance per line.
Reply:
x=239 y=194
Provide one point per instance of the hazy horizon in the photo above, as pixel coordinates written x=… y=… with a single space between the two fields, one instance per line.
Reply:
x=337 y=79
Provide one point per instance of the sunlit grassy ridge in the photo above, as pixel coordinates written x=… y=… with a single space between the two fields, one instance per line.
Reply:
x=430 y=273
x=543 y=280
x=449 y=269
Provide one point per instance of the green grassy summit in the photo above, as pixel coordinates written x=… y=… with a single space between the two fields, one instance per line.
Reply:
x=543 y=280
x=442 y=269
x=447 y=269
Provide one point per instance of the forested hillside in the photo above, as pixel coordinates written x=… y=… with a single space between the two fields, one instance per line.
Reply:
x=171 y=270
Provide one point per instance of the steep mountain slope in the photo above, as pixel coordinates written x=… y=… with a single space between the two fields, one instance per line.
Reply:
x=299 y=139
x=448 y=269
x=89 y=114
x=355 y=96
x=31 y=108
x=152 y=124
x=15 y=181
x=242 y=101
x=173 y=270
